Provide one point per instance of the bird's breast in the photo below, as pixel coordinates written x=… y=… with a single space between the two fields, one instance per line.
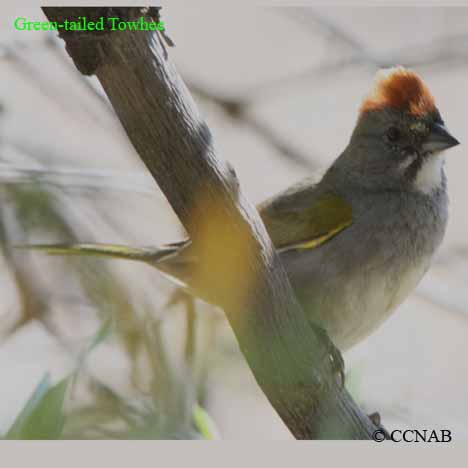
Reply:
x=352 y=283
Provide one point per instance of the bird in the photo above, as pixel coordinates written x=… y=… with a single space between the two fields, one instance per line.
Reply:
x=356 y=243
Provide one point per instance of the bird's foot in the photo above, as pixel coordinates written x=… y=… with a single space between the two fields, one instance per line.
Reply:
x=377 y=422
x=335 y=357
x=338 y=364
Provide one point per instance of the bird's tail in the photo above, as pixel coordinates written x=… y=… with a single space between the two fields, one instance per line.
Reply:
x=150 y=255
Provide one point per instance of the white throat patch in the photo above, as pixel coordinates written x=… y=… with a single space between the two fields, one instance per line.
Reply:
x=429 y=176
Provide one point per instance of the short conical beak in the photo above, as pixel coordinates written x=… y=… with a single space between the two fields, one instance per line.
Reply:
x=439 y=139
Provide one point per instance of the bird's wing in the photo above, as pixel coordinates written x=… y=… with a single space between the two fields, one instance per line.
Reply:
x=301 y=218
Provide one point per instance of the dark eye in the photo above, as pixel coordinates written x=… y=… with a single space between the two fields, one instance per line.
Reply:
x=393 y=134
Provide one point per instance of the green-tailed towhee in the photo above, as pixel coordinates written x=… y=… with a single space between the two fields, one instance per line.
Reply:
x=358 y=242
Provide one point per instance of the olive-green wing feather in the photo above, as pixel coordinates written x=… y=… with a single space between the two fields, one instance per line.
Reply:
x=302 y=219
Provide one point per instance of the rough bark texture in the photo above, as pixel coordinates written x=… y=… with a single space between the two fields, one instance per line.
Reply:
x=290 y=359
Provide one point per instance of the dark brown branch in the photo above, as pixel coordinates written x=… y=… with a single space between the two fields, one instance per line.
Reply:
x=289 y=358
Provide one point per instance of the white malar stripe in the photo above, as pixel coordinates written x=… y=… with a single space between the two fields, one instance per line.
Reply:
x=429 y=176
x=409 y=159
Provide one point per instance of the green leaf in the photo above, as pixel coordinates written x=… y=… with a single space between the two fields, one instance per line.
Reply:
x=103 y=332
x=42 y=417
x=38 y=394
x=204 y=423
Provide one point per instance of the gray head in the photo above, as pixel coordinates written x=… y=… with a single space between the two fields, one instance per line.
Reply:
x=399 y=137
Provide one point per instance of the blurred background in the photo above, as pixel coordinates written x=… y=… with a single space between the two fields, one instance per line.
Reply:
x=280 y=88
